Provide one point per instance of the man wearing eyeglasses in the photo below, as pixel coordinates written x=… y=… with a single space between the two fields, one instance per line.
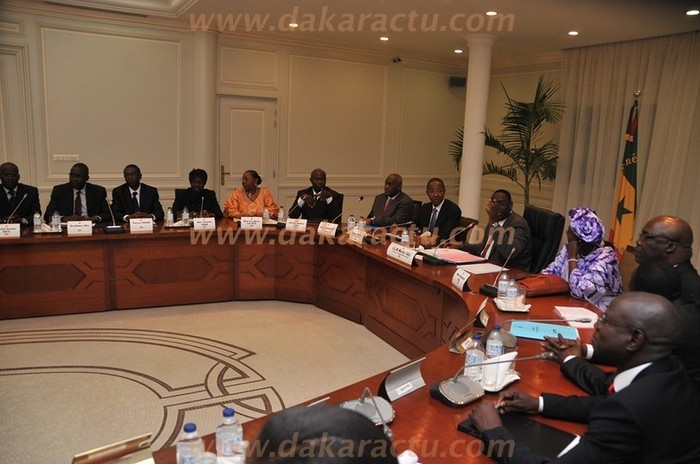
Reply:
x=651 y=413
x=670 y=239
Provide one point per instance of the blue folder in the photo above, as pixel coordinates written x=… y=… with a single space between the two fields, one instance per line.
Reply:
x=537 y=330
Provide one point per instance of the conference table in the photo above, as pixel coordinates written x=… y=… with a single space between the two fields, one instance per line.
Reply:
x=416 y=309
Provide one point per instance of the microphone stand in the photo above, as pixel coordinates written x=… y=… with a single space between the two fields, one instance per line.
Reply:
x=15 y=210
x=492 y=290
x=341 y=213
x=114 y=228
x=431 y=258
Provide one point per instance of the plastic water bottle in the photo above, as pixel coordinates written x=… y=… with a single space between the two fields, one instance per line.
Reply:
x=474 y=355
x=190 y=446
x=229 y=435
x=503 y=285
x=169 y=217
x=266 y=215
x=512 y=294
x=186 y=216
x=56 y=222
x=280 y=215
x=37 y=222
x=405 y=238
x=361 y=223
x=494 y=349
x=351 y=222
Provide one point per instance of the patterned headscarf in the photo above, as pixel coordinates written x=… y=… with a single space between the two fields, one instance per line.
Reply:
x=586 y=225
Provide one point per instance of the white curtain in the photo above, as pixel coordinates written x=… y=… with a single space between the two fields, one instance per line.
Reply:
x=598 y=86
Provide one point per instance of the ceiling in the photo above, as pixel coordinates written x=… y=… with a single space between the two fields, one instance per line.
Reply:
x=526 y=27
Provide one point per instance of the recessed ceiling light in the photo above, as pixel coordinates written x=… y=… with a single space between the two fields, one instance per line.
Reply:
x=293 y=25
x=458 y=51
x=573 y=32
x=384 y=38
x=692 y=12
x=491 y=13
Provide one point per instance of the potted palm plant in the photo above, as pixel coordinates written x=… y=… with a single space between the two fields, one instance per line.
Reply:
x=527 y=157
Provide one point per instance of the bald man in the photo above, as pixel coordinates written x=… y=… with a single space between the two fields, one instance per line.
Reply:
x=318 y=202
x=670 y=239
x=393 y=206
x=652 y=414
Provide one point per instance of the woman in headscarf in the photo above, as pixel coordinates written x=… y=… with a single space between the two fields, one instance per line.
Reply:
x=592 y=270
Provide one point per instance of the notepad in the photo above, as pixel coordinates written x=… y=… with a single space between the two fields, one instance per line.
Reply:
x=538 y=330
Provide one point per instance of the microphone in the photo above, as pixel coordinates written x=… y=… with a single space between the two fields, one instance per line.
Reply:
x=373 y=411
x=429 y=258
x=341 y=213
x=492 y=290
x=201 y=206
x=16 y=208
x=114 y=228
x=458 y=391
x=370 y=238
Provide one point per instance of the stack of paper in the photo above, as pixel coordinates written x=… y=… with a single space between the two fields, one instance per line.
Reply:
x=576 y=312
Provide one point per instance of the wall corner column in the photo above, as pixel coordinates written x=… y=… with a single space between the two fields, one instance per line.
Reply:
x=204 y=105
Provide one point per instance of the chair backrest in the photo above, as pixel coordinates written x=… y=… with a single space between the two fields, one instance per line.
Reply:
x=546 y=228
x=628 y=264
x=341 y=197
x=467 y=223
x=416 y=211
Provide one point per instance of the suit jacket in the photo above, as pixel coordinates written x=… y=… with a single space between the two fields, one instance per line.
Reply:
x=519 y=237
x=193 y=201
x=690 y=281
x=399 y=211
x=322 y=210
x=29 y=206
x=447 y=220
x=62 y=200
x=149 y=202
x=653 y=420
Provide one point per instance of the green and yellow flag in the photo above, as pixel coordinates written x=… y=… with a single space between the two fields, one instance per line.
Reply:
x=625 y=211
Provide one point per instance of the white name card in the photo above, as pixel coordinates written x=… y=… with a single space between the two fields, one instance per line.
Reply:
x=208 y=223
x=10 y=231
x=459 y=278
x=357 y=236
x=251 y=223
x=295 y=225
x=140 y=225
x=79 y=227
x=401 y=253
x=327 y=229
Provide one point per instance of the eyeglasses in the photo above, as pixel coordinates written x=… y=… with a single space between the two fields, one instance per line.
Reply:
x=604 y=320
x=647 y=236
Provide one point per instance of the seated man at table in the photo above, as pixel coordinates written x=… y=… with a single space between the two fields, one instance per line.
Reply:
x=79 y=200
x=15 y=207
x=393 y=206
x=197 y=199
x=321 y=434
x=507 y=232
x=440 y=216
x=318 y=202
x=650 y=415
x=134 y=199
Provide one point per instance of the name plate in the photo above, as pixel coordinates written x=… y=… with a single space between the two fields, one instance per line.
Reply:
x=327 y=229
x=208 y=223
x=79 y=227
x=140 y=225
x=401 y=253
x=251 y=223
x=295 y=225
x=460 y=278
x=10 y=231
x=357 y=236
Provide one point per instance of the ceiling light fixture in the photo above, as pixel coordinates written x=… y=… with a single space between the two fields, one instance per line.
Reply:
x=384 y=38
x=491 y=13
x=692 y=12
x=458 y=51
x=573 y=33
x=293 y=25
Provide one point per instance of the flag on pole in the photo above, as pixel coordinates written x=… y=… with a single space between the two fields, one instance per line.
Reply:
x=625 y=210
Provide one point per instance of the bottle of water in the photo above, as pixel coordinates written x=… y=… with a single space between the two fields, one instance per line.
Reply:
x=229 y=435
x=190 y=446
x=512 y=294
x=361 y=223
x=55 y=222
x=37 y=222
x=405 y=238
x=186 y=216
x=266 y=215
x=169 y=217
x=351 y=222
x=494 y=349
x=280 y=215
x=474 y=355
x=503 y=285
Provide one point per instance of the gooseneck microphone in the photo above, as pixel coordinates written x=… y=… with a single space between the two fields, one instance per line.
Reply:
x=201 y=206
x=368 y=393
x=356 y=202
x=373 y=411
x=492 y=290
x=16 y=208
x=114 y=228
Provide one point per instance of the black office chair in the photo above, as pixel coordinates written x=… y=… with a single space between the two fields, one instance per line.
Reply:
x=546 y=228
x=416 y=211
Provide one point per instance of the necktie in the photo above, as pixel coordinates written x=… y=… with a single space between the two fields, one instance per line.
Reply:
x=11 y=195
x=433 y=218
x=611 y=388
x=135 y=201
x=489 y=243
x=78 y=205
x=386 y=205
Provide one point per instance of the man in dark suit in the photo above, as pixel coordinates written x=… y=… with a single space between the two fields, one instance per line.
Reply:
x=650 y=416
x=317 y=202
x=506 y=231
x=79 y=200
x=439 y=217
x=12 y=196
x=134 y=199
x=393 y=206
x=192 y=197
x=670 y=239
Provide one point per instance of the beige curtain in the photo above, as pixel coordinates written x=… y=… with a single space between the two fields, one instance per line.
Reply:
x=598 y=85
